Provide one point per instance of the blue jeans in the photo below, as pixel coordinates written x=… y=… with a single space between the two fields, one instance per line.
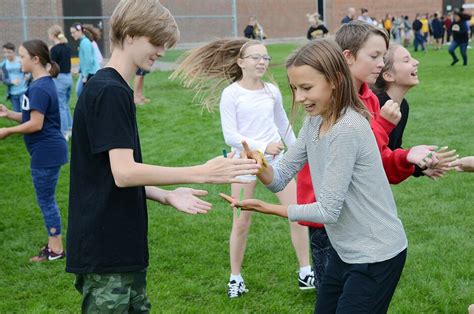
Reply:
x=419 y=40
x=45 y=181
x=16 y=102
x=462 y=46
x=79 y=85
x=63 y=86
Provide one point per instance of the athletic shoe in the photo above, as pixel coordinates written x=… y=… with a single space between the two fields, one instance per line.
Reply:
x=306 y=282
x=236 y=289
x=45 y=254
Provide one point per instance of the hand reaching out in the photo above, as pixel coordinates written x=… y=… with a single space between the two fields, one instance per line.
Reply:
x=248 y=204
x=187 y=201
x=225 y=170
x=463 y=164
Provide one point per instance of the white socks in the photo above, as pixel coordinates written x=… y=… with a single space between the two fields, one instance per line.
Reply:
x=238 y=278
x=305 y=271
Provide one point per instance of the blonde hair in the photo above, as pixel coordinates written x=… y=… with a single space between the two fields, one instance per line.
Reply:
x=56 y=31
x=148 y=18
x=325 y=56
x=210 y=68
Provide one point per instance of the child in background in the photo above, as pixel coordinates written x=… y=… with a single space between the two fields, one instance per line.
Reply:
x=354 y=199
x=251 y=110
x=138 y=96
x=41 y=126
x=317 y=28
x=13 y=77
x=61 y=54
x=88 y=64
x=94 y=35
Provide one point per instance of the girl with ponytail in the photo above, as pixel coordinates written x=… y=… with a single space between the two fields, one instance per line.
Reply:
x=40 y=125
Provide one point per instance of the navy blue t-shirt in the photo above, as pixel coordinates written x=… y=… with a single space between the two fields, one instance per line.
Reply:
x=47 y=147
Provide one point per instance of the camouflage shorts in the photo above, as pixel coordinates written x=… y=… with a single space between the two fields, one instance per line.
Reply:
x=113 y=293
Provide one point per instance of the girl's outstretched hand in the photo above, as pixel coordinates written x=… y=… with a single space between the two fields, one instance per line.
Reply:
x=463 y=164
x=3 y=111
x=251 y=154
x=248 y=204
x=257 y=206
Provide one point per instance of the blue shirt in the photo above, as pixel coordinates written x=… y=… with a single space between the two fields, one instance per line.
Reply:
x=12 y=72
x=47 y=147
x=87 y=61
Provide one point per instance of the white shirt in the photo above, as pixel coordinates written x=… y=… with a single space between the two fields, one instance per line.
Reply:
x=256 y=116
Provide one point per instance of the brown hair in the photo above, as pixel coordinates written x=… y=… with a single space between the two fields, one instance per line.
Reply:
x=209 y=68
x=37 y=48
x=326 y=57
x=388 y=59
x=92 y=32
x=353 y=35
x=57 y=32
x=148 y=18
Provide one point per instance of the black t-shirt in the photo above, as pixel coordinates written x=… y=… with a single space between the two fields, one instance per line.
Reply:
x=417 y=25
x=107 y=225
x=316 y=32
x=61 y=54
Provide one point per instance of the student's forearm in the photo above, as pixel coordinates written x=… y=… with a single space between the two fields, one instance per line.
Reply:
x=273 y=209
x=15 y=116
x=156 y=194
x=24 y=128
x=138 y=174
x=266 y=176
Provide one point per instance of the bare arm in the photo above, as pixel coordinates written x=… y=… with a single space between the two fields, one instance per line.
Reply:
x=128 y=173
x=35 y=124
x=183 y=199
x=11 y=115
x=257 y=206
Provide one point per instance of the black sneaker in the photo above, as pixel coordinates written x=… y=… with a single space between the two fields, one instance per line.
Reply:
x=236 y=289
x=306 y=282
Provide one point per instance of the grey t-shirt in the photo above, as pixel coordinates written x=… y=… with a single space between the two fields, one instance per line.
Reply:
x=354 y=199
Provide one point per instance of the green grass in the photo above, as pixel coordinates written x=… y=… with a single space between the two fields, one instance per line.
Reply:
x=189 y=263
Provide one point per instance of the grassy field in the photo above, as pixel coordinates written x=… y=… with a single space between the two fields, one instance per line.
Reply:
x=189 y=264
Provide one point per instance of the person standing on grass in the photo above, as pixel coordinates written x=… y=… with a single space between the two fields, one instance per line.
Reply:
x=460 y=34
x=419 y=39
x=398 y=76
x=88 y=65
x=61 y=54
x=13 y=77
x=355 y=201
x=138 y=82
x=41 y=126
x=251 y=110
x=109 y=185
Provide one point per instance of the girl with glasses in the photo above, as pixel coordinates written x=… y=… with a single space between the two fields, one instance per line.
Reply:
x=251 y=111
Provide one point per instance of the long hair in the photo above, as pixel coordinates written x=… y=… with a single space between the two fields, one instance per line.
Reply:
x=326 y=57
x=210 y=68
x=92 y=32
x=388 y=59
x=37 y=48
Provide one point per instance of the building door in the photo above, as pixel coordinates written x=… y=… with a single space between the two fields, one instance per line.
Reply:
x=84 y=12
x=450 y=5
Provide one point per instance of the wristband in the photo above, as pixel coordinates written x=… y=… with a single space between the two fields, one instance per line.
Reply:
x=264 y=162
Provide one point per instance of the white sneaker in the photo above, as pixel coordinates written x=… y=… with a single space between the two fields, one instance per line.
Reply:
x=236 y=289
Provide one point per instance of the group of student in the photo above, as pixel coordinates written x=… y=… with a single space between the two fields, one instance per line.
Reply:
x=348 y=150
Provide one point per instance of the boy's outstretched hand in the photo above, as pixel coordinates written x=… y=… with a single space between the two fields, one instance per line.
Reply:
x=463 y=164
x=187 y=201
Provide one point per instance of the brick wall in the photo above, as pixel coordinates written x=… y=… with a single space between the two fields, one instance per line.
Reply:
x=280 y=18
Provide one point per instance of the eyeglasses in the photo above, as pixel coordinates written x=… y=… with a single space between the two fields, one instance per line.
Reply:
x=257 y=58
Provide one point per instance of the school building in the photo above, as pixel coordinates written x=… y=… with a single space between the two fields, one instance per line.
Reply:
x=204 y=20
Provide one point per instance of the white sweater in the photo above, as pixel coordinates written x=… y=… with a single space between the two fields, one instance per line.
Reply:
x=256 y=116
